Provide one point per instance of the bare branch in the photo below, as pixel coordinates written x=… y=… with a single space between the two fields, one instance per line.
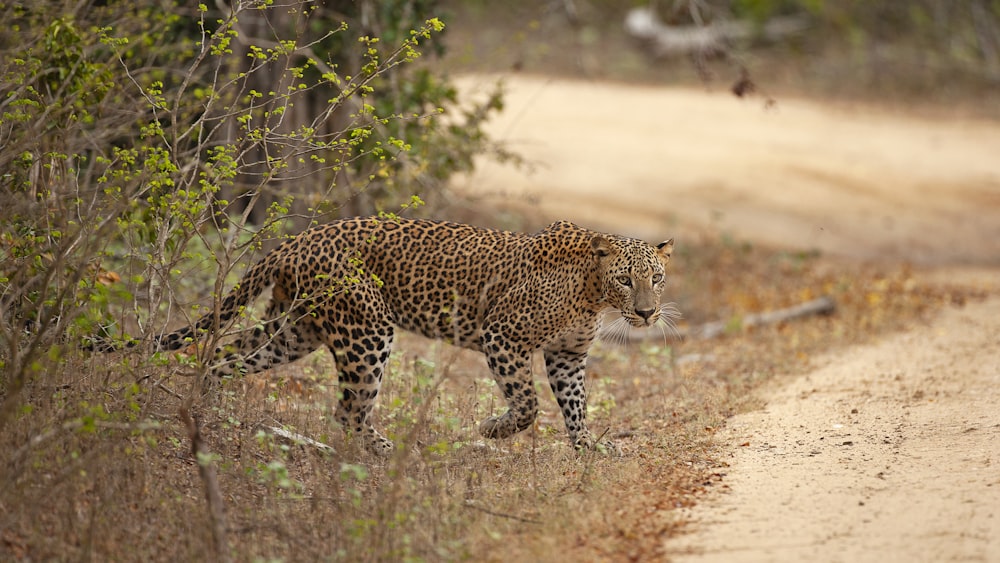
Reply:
x=213 y=496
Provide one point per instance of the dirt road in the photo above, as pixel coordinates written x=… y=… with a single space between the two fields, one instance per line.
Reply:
x=887 y=452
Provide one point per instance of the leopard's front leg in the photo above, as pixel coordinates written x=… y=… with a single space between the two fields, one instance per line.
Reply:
x=511 y=369
x=567 y=376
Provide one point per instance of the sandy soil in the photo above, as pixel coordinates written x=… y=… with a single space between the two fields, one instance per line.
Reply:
x=887 y=452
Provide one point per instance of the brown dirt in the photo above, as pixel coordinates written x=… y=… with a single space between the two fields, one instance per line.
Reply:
x=888 y=450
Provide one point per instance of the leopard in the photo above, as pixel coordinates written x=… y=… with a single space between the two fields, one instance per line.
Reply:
x=350 y=284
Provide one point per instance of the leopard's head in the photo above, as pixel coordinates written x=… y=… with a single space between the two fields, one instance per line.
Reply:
x=633 y=275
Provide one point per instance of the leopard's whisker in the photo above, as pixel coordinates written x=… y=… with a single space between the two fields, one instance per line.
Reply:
x=624 y=328
x=669 y=314
x=616 y=332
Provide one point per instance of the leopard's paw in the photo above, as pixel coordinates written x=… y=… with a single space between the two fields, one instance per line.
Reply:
x=379 y=445
x=585 y=441
x=497 y=427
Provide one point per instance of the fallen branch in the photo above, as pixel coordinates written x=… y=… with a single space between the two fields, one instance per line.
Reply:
x=294 y=438
x=707 y=40
x=821 y=306
x=206 y=469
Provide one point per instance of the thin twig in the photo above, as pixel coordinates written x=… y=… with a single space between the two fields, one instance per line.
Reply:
x=472 y=504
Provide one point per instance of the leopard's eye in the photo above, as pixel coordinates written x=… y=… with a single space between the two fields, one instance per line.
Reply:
x=657 y=278
x=625 y=280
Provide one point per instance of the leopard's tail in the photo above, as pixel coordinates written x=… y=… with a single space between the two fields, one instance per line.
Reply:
x=253 y=283
x=250 y=286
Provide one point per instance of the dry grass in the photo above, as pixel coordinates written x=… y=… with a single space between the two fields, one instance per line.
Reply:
x=98 y=466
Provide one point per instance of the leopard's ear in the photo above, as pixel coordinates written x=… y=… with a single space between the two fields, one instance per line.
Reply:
x=601 y=246
x=665 y=249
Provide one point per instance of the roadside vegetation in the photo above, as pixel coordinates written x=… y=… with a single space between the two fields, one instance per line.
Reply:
x=149 y=152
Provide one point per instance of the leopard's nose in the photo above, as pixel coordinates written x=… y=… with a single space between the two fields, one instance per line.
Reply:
x=645 y=313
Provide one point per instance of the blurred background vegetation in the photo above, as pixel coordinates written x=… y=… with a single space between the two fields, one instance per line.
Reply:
x=931 y=52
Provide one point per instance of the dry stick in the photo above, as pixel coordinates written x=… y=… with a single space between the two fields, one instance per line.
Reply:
x=472 y=504
x=213 y=495
x=820 y=306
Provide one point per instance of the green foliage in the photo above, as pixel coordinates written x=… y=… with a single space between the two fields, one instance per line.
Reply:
x=143 y=142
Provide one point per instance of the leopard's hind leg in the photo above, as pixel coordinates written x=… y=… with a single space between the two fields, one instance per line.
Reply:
x=361 y=342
